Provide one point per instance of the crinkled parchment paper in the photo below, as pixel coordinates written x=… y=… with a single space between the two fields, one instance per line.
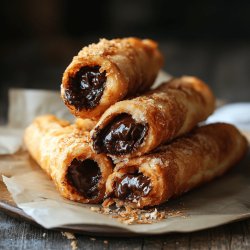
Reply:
x=221 y=201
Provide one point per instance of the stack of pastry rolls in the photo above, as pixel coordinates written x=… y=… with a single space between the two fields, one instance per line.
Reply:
x=131 y=145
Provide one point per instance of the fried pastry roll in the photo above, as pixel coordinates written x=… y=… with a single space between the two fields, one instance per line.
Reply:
x=104 y=73
x=207 y=152
x=137 y=126
x=63 y=152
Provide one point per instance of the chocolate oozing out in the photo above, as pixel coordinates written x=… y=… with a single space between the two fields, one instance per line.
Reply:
x=132 y=187
x=121 y=136
x=84 y=177
x=85 y=89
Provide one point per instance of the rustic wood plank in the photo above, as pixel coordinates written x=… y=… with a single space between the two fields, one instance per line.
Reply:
x=240 y=235
x=16 y=234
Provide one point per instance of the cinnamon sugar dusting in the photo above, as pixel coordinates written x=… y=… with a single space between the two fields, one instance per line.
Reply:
x=107 y=47
x=131 y=216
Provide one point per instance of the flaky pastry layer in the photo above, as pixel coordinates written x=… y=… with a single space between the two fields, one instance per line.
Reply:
x=85 y=124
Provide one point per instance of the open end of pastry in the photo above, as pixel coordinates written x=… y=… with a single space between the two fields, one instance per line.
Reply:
x=85 y=89
x=84 y=176
x=121 y=136
x=131 y=187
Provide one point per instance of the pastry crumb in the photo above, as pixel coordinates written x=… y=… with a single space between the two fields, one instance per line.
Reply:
x=72 y=237
x=68 y=235
x=95 y=209
x=131 y=216
x=74 y=245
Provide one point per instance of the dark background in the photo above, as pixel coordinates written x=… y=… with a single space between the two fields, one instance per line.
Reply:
x=209 y=39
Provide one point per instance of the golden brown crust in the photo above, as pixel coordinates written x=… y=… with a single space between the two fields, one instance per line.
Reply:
x=131 y=64
x=206 y=153
x=54 y=144
x=171 y=110
x=85 y=124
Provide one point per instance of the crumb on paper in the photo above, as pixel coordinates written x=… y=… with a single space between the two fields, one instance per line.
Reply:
x=95 y=209
x=131 y=216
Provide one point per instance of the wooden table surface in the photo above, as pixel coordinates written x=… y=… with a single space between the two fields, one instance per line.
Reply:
x=224 y=65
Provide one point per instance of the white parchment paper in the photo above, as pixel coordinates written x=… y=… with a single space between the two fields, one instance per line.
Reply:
x=221 y=201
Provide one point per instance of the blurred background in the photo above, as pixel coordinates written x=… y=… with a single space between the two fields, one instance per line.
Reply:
x=209 y=39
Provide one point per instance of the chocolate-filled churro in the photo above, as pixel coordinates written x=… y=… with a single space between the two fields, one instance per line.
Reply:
x=137 y=126
x=63 y=152
x=190 y=161
x=109 y=71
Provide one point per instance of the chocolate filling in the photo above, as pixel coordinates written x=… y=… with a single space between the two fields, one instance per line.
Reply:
x=84 y=177
x=85 y=89
x=121 y=136
x=132 y=187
